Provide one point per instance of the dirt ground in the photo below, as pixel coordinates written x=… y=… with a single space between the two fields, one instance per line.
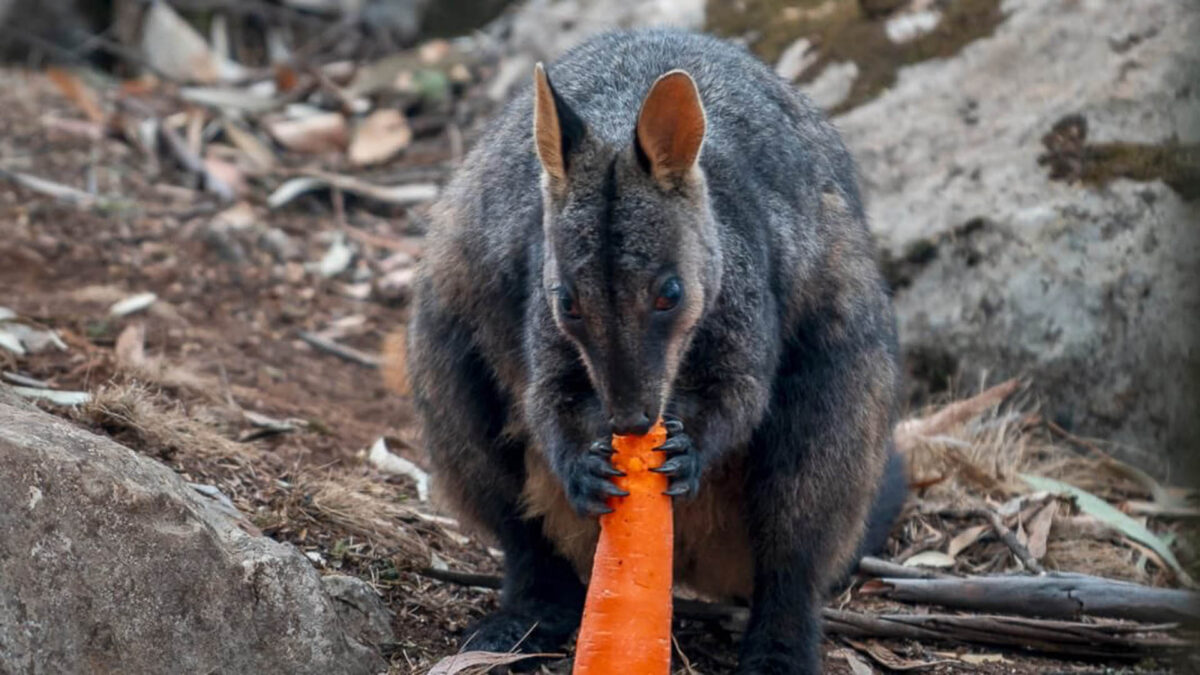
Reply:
x=223 y=340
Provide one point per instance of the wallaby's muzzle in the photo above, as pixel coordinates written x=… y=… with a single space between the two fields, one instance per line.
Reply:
x=630 y=422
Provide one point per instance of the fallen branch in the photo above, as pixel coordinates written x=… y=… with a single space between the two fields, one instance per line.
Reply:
x=341 y=351
x=1096 y=639
x=1055 y=595
x=1063 y=638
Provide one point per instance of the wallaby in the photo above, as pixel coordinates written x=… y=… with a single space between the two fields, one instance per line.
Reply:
x=660 y=227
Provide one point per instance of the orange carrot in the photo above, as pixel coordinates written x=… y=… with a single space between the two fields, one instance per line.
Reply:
x=626 y=626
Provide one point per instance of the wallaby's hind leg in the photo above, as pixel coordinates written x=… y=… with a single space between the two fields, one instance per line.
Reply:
x=815 y=462
x=481 y=473
x=541 y=601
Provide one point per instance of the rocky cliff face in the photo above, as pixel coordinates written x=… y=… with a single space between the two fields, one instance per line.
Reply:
x=1087 y=283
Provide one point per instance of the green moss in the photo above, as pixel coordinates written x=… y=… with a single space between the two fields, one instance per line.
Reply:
x=841 y=30
x=1175 y=164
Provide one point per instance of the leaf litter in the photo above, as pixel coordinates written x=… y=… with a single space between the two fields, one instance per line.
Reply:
x=218 y=378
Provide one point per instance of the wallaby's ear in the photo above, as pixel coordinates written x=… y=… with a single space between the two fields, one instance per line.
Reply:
x=670 y=127
x=557 y=130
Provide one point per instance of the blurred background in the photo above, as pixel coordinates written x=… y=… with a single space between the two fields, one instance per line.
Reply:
x=211 y=212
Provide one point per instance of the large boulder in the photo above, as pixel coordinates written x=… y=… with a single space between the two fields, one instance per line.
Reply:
x=109 y=562
x=1091 y=289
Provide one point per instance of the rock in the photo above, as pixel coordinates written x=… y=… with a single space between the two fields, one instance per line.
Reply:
x=541 y=30
x=1090 y=289
x=364 y=616
x=109 y=562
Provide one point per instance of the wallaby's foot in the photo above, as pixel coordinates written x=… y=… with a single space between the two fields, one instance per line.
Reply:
x=525 y=632
x=780 y=659
x=683 y=465
x=589 y=480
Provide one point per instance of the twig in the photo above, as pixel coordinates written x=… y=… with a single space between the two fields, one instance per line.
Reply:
x=882 y=568
x=462 y=578
x=192 y=162
x=342 y=351
x=1057 y=595
x=1006 y=535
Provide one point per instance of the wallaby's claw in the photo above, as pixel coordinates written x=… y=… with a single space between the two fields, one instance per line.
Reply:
x=682 y=463
x=589 y=480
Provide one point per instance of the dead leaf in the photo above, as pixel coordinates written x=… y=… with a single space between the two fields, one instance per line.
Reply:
x=228 y=98
x=395 y=370
x=379 y=137
x=930 y=559
x=857 y=665
x=130 y=349
x=11 y=342
x=133 y=303
x=478 y=663
x=83 y=96
x=965 y=539
x=322 y=132
x=226 y=174
x=400 y=195
x=65 y=398
x=1094 y=506
x=336 y=259
x=889 y=659
x=911 y=432
x=259 y=154
x=50 y=188
x=72 y=127
x=174 y=48
x=1039 y=529
x=973 y=659
x=386 y=461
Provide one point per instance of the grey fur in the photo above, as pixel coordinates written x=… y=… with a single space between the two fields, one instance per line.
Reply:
x=784 y=343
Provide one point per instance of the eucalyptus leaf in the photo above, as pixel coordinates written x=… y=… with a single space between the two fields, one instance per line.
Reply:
x=1102 y=510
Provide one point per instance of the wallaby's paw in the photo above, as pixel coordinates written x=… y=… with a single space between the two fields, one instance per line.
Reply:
x=682 y=465
x=589 y=480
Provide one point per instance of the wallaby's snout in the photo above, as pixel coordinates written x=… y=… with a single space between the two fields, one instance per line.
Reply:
x=630 y=423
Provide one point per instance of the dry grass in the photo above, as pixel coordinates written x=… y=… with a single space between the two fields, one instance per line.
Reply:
x=973 y=460
x=141 y=416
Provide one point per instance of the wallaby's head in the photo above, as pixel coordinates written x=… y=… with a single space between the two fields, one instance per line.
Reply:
x=632 y=260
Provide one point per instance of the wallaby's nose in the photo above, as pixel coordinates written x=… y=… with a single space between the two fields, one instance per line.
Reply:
x=630 y=424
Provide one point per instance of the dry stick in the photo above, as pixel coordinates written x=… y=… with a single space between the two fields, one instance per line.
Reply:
x=1056 y=595
x=1067 y=638
x=463 y=578
x=342 y=351
x=876 y=567
x=192 y=162
x=1010 y=539
x=1055 y=637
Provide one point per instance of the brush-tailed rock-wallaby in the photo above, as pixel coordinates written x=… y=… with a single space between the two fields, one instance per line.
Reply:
x=660 y=226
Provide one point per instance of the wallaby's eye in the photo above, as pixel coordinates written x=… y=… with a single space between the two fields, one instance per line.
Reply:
x=567 y=304
x=669 y=294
